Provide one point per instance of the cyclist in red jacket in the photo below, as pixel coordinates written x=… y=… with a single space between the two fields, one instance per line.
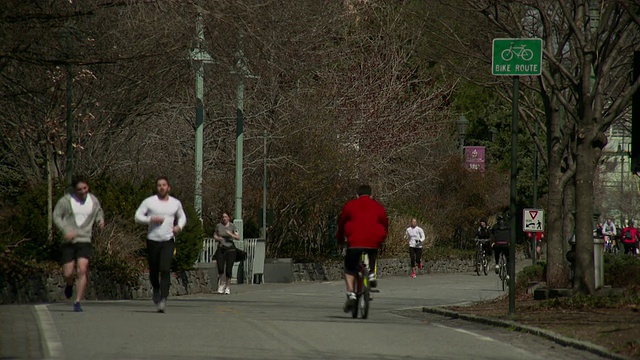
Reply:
x=363 y=225
x=629 y=238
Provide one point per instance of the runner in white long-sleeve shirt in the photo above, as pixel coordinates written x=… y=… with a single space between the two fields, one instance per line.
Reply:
x=415 y=235
x=166 y=218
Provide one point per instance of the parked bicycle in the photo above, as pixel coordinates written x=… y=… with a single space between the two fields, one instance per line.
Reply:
x=482 y=262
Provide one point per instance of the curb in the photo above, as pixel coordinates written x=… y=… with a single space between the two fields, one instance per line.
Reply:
x=550 y=335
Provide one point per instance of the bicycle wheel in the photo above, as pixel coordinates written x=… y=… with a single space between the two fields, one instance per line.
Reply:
x=503 y=271
x=358 y=291
x=363 y=303
x=504 y=278
x=506 y=54
x=478 y=262
x=527 y=54
x=485 y=265
x=354 y=310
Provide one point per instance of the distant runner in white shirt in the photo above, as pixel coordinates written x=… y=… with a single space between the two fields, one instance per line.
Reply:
x=166 y=218
x=415 y=235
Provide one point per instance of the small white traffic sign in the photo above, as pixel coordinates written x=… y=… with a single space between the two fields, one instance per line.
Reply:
x=533 y=220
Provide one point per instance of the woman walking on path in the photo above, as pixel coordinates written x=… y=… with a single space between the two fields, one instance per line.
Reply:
x=226 y=252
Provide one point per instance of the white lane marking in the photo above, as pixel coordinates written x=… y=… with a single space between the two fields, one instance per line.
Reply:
x=51 y=343
x=303 y=294
x=481 y=337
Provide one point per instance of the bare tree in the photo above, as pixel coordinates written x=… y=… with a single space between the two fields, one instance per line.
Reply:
x=585 y=86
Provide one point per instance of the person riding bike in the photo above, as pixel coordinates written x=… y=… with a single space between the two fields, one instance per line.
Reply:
x=501 y=239
x=629 y=238
x=609 y=233
x=363 y=225
x=484 y=234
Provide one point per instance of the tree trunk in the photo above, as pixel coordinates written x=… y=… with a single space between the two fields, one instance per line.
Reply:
x=49 y=195
x=569 y=219
x=556 y=275
x=585 y=169
x=556 y=268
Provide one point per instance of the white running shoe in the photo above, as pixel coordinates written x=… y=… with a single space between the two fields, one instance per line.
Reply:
x=162 y=305
x=227 y=291
x=373 y=282
x=221 y=288
x=351 y=302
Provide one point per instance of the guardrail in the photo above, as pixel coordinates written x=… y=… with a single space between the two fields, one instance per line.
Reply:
x=253 y=265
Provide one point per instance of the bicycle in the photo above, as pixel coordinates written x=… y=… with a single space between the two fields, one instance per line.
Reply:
x=481 y=257
x=362 y=289
x=519 y=51
x=502 y=272
x=611 y=245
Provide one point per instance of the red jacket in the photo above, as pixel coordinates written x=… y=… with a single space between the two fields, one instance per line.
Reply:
x=363 y=221
x=634 y=235
x=539 y=236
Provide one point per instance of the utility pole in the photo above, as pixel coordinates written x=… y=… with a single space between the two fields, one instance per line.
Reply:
x=201 y=56
x=535 y=170
x=622 y=196
x=69 y=158
x=241 y=69
x=264 y=187
x=243 y=72
x=534 y=240
x=513 y=195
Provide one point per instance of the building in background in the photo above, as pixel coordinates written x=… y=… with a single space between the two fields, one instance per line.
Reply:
x=616 y=186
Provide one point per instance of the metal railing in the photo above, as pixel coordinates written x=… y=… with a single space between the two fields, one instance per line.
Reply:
x=253 y=265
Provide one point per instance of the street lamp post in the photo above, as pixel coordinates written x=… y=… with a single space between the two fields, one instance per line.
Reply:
x=264 y=187
x=621 y=153
x=242 y=71
x=201 y=57
x=462 y=125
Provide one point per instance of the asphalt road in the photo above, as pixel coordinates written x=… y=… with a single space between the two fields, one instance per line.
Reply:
x=292 y=321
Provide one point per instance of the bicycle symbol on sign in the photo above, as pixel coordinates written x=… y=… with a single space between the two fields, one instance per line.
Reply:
x=518 y=51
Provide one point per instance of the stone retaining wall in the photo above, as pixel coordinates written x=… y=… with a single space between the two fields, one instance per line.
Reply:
x=48 y=288
x=331 y=271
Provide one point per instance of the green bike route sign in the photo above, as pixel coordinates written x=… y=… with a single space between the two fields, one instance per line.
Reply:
x=516 y=57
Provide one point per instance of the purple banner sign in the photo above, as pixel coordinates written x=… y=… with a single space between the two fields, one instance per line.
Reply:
x=474 y=158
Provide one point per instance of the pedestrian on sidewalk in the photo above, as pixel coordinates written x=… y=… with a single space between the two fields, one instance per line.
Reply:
x=226 y=252
x=166 y=218
x=74 y=215
x=415 y=235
